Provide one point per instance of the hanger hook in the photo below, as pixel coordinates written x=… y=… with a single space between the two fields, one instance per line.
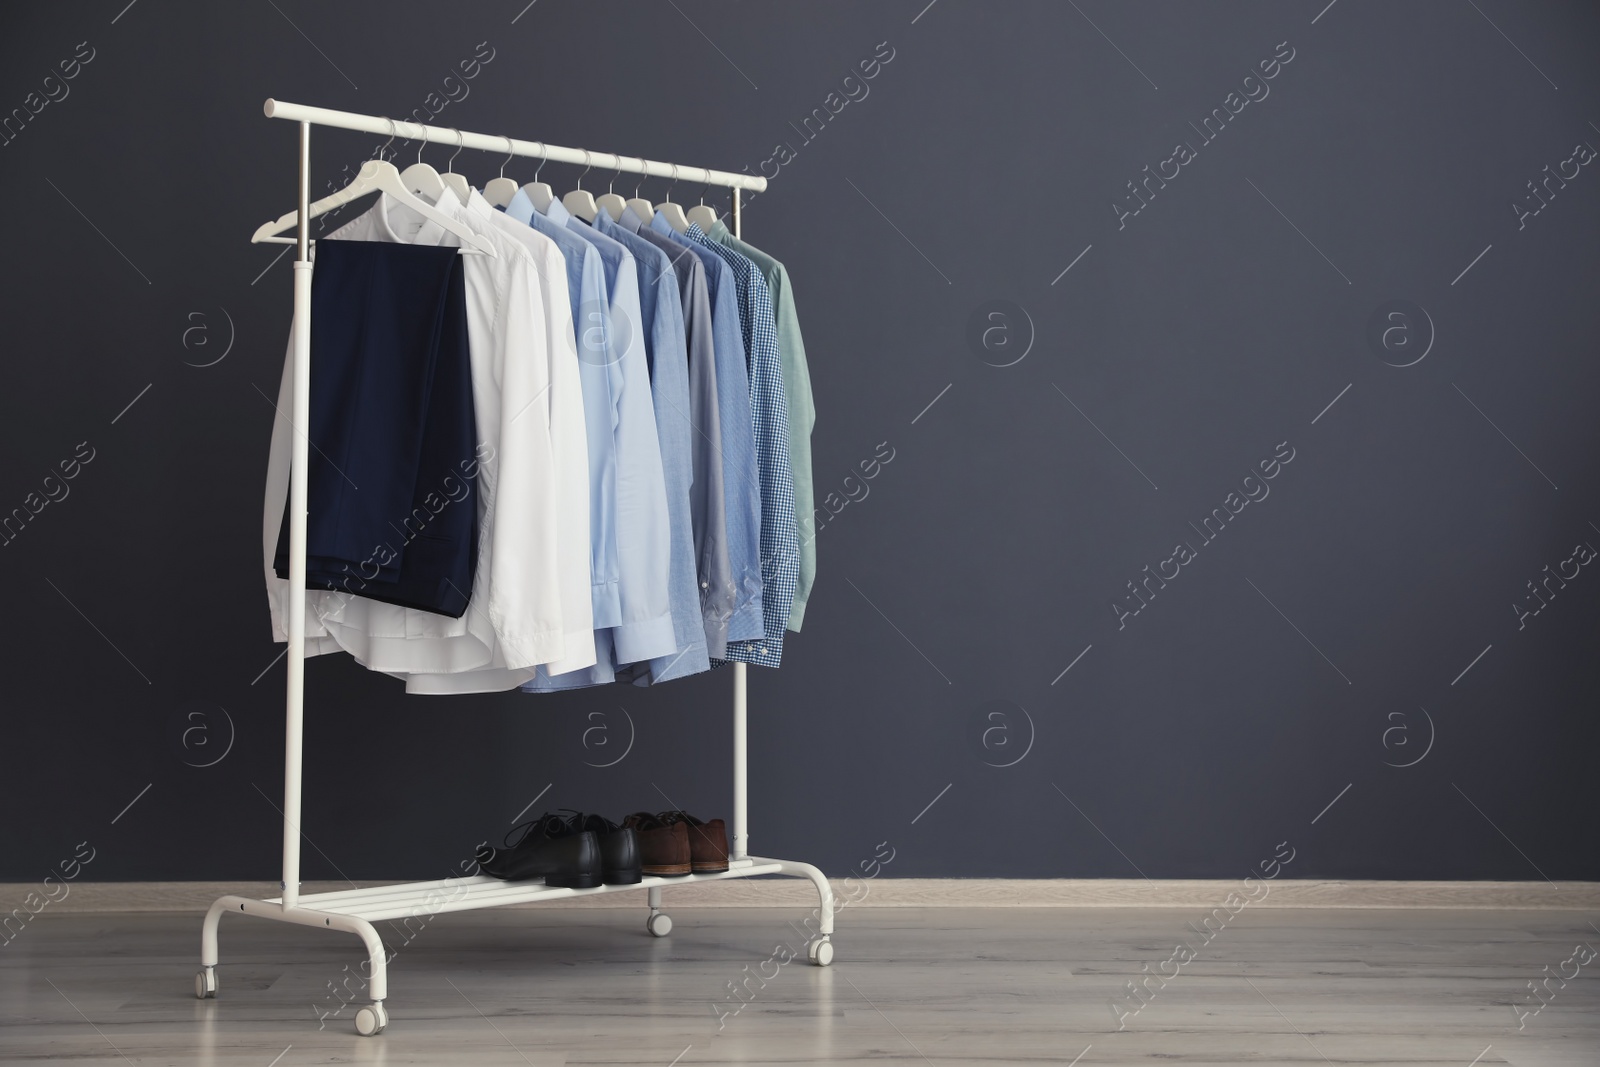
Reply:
x=511 y=153
x=704 y=190
x=611 y=185
x=643 y=171
x=422 y=139
x=672 y=183
x=450 y=167
x=587 y=166
x=544 y=157
x=383 y=149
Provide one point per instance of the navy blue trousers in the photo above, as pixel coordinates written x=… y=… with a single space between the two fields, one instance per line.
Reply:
x=392 y=502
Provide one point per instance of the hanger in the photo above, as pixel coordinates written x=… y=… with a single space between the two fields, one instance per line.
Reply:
x=375 y=176
x=540 y=193
x=500 y=190
x=701 y=215
x=456 y=182
x=672 y=212
x=642 y=208
x=609 y=202
x=383 y=149
x=422 y=179
x=580 y=201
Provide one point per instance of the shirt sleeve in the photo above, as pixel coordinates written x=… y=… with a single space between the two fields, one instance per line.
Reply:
x=802 y=418
x=526 y=602
x=568 y=507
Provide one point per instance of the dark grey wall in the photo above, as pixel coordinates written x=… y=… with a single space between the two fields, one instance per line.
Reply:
x=1358 y=617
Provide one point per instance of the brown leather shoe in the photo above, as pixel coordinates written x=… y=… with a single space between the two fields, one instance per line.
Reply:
x=664 y=846
x=708 y=841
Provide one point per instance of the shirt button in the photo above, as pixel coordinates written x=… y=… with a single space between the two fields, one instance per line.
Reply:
x=705 y=585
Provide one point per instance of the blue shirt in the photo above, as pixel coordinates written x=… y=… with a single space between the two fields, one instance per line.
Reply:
x=601 y=379
x=780 y=538
x=644 y=540
x=708 y=496
x=642 y=525
x=740 y=468
x=667 y=356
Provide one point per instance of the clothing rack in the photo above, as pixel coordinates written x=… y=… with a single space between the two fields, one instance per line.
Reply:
x=355 y=910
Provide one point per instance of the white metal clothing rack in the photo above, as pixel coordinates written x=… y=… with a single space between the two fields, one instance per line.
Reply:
x=355 y=910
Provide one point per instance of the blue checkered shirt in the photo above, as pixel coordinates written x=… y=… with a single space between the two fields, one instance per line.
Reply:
x=780 y=536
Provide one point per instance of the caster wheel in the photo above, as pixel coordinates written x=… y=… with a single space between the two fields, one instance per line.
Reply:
x=371 y=1020
x=659 y=924
x=205 y=983
x=820 y=952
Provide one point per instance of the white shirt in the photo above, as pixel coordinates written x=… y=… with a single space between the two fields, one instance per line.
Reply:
x=570 y=448
x=516 y=616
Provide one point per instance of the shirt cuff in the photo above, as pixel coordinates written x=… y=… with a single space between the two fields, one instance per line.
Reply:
x=645 y=639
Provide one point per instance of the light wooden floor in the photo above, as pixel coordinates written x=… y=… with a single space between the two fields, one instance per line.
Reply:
x=911 y=986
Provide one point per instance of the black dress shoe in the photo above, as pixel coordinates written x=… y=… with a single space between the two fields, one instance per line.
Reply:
x=619 y=849
x=549 y=847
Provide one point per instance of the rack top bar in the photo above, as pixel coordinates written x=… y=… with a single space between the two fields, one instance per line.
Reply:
x=413 y=131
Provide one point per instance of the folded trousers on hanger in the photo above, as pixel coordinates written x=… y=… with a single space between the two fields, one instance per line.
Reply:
x=392 y=494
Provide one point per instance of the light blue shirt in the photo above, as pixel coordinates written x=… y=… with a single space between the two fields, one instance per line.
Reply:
x=621 y=416
x=740 y=471
x=668 y=359
x=643 y=527
x=601 y=379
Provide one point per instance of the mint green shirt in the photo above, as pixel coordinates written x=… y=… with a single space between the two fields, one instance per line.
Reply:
x=802 y=409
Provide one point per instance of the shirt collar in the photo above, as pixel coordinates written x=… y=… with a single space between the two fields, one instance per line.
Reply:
x=661 y=225
x=630 y=220
x=557 y=213
x=720 y=232
x=521 y=207
x=403 y=225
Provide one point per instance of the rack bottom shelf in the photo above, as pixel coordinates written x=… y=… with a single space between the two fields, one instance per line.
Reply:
x=355 y=910
x=408 y=899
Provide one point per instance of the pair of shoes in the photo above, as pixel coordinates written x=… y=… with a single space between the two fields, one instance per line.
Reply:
x=675 y=843
x=572 y=850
